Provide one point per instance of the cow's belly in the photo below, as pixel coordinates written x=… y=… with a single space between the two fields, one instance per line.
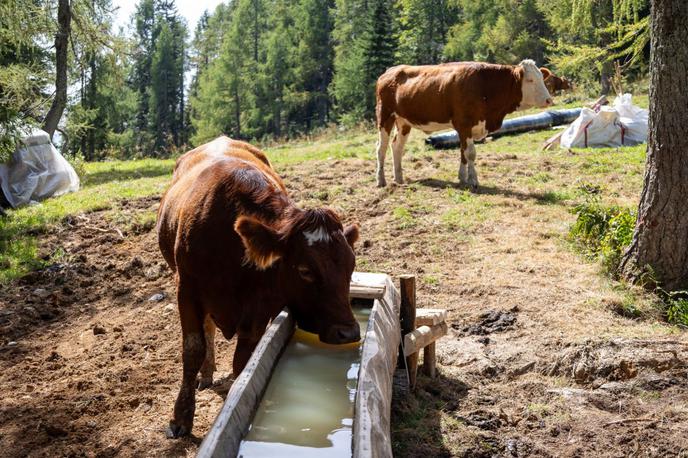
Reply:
x=429 y=127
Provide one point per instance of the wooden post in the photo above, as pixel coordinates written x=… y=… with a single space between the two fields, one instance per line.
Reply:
x=407 y=284
x=429 y=360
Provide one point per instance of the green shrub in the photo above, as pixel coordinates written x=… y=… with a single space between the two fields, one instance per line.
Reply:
x=602 y=231
x=676 y=306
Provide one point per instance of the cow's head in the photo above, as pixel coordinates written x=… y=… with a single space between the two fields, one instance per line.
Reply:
x=554 y=83
x=315 y=259
x=533 y=90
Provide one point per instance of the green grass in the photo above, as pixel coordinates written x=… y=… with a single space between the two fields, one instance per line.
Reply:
x=103 y=184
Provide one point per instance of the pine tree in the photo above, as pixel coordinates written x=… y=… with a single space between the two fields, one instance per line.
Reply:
x=423 y=27
x=379 y=48
x=144 y=18
x=163 y=90
x=314 y=64
x=365 y=48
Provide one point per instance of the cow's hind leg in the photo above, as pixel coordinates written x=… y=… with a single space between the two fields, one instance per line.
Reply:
x=208 y=367
x=398 y=144
x=384 y=130
x=463 y=172
x=193 y=354
x=472 y=173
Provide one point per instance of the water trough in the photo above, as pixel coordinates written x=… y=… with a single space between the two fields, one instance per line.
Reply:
x=291 y=418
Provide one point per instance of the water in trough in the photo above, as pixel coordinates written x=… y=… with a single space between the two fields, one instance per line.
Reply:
x=308 y=406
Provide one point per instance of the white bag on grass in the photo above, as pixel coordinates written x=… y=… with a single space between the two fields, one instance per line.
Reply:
x=36 y=171
x=621 y=124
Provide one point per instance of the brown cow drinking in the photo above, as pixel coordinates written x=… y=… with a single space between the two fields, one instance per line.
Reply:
x=241 y=251
x=471 y=97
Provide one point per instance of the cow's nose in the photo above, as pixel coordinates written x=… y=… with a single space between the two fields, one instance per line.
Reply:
x=548 y=102
x=349 y=334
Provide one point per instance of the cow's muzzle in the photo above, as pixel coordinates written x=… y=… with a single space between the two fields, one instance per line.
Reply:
x=342 y=334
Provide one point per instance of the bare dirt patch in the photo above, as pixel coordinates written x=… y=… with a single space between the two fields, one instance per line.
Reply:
x=536 y=363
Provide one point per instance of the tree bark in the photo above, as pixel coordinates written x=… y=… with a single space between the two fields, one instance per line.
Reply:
x=659 y=251
x=64 y=20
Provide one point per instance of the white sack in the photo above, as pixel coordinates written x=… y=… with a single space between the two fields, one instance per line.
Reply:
x=37 y=171
x=622 y=124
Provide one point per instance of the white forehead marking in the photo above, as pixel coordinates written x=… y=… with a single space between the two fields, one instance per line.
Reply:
x=318 y=235
x=530 y=67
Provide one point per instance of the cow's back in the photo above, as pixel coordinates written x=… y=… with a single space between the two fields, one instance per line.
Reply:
x=212 y=185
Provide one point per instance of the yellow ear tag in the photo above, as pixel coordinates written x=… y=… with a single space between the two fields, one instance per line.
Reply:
x=311 y=339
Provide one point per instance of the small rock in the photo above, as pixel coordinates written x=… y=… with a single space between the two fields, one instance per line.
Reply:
x=169 y=308
x=523 y=369
x=41 y=293
x=91 y=424
x=135 y=263
x=54 y=356
x=156 y=297
x=12 y=344
x=483 y=340
x=98 y=330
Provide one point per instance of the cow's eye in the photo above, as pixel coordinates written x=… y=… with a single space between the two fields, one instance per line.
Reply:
x=306 y=273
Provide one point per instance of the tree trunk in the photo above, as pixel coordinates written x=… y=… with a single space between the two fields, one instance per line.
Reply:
x=64 y=20
x=660 y=241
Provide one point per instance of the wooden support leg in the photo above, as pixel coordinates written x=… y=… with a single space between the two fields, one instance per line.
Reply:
x=429 y=367
x=412 y=364
x=407 y=285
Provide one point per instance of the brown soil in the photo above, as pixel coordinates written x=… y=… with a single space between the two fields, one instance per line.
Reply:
x=536 y=363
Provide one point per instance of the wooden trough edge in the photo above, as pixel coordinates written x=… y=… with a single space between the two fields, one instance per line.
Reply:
x=236 y=414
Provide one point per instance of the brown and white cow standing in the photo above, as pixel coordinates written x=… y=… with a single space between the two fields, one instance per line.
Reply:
x=241 y=251
x=471 y=97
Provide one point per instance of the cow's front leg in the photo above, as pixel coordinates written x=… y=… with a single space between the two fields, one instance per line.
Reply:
x=208 y=367
x=382 y=145
x=242 y=353
x=470 y=157
x=398 y=150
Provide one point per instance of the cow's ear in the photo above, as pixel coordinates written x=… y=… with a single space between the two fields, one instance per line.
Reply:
x=351 y=233
x=545 y=72
x=262 y=243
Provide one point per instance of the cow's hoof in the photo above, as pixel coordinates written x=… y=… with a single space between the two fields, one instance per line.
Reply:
x=175 y=431
x=381 y=183
x=400 y=181
x=205 y=382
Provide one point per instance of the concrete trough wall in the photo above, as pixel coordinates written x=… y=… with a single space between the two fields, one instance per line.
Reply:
x=371 y=427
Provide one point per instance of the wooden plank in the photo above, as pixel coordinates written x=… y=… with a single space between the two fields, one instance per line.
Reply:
x=430 y=317
x=407 y=315
x=236 y=415
x=367 y=285
x=423 y=336
x=429 y=361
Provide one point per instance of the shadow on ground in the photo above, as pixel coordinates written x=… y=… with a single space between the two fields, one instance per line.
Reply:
x=106 y=176
x=543 y=198
x=417 y=418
